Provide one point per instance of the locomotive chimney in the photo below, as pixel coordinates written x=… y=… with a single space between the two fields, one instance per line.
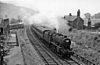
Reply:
x=78 y=13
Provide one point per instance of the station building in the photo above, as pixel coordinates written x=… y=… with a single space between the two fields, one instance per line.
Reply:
x=4 y=26
x=75 y=22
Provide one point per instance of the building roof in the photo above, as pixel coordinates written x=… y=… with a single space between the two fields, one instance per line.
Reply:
x=79 y=18
x=70 y=18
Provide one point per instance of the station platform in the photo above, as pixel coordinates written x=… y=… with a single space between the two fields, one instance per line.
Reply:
x=24 y=54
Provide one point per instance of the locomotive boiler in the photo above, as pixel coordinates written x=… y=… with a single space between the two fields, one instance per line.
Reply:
x=57 y=42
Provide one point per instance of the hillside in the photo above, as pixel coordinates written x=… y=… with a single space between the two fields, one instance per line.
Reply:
x=11 y=10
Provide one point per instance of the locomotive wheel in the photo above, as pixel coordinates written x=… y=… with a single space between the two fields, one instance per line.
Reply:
x=52 y=48
x=61 y=52
x=49 y=45
x=55 y=49
x=68 y=54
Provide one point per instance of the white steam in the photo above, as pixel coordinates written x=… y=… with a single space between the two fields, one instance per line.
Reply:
x=43 y=19
x=46 y=16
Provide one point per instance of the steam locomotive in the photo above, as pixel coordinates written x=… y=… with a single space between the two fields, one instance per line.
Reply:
x=57 y=42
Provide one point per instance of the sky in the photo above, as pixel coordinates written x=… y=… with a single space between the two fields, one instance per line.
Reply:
x=59 y=7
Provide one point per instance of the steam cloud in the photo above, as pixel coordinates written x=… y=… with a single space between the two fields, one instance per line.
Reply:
x=43 y=19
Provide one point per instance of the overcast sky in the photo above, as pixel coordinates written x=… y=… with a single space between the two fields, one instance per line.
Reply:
x=60 y=7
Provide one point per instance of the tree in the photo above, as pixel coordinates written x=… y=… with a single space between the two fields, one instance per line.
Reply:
x=19 y=19
x=87 y=15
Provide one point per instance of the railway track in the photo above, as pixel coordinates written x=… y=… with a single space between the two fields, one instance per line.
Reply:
x=62 y=62
x=44 y=54
x=85 y=61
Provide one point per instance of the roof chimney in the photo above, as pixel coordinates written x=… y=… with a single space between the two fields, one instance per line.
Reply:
x=78 y=12
x=70 y=14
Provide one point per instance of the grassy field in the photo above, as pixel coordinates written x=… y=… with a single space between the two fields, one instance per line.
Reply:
x=81 y=37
